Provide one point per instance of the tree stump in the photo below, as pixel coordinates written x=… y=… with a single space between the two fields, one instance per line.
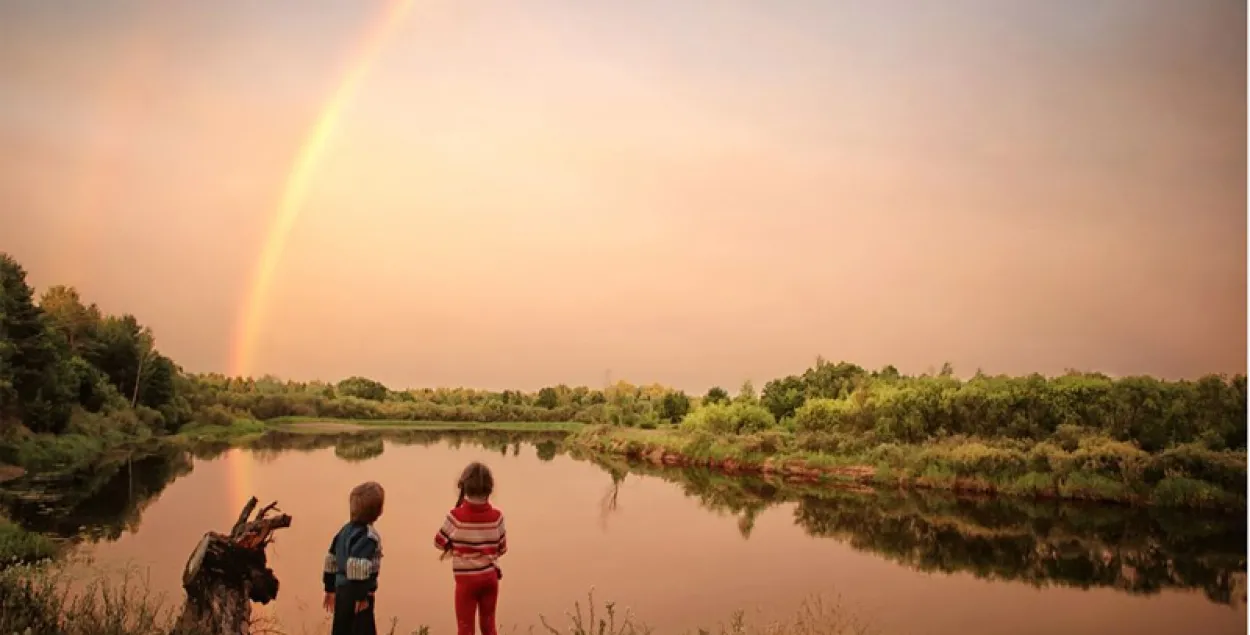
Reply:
x=227 y=572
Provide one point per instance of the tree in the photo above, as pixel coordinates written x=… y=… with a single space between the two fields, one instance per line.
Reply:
x=547 y=398
x=716 y=394
x=674 y=405
x=37 y=384
x=362 y=388
x=158 y=389
x=746 y=393
x=783 y=396
x=119 y=347
x=69 y=316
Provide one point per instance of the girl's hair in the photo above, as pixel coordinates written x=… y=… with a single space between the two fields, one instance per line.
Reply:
x=476 y=481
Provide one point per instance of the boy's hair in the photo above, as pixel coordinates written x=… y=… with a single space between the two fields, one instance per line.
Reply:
x=476 y=481
x=365 y=502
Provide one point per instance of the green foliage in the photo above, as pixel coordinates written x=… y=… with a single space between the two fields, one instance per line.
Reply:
x=362 y=388
x=81 y=381
x=739 y=417
x=39 y=599
x=18 y=546
x=36 y=380
x=746 y=394
x=674 y=406
x=783 y=396
x=547 y=398
x=715 y=395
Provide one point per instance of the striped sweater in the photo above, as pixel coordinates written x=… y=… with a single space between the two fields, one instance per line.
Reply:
x=353 y=561
x=475 y=533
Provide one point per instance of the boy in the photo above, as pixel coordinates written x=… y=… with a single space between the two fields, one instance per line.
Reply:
x=474 y=534
x=351 y=566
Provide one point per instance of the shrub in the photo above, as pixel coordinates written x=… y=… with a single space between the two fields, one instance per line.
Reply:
x=1091 y=486
x=20 y=546
x=740 y=417
x=1178 y=491
x=215 y=415
x=972 y=459
x=823 y=415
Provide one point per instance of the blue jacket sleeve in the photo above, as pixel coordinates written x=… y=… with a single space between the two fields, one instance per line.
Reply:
x=362 y=566
x=330 y=568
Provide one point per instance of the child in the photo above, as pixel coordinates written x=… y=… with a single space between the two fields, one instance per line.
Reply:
x=474 y=535
x=351 y=566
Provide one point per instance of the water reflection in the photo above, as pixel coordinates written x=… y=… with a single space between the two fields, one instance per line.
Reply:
x=99 y=502
x=1135 y=550
x=1042 y=543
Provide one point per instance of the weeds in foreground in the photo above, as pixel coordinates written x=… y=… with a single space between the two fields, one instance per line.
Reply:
x=606 y=625
x=815 y=617
x=43 y=599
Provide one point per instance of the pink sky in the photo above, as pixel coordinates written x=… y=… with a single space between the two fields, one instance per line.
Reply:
x=689 y=193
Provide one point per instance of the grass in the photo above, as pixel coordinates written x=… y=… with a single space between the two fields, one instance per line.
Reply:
x=43 y=599
x=1093 y=468
x=19 y=546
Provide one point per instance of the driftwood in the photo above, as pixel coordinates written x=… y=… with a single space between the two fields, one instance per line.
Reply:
x=227 y=572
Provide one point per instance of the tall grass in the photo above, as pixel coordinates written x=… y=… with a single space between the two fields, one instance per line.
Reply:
x=814 y=617
x=45 y=599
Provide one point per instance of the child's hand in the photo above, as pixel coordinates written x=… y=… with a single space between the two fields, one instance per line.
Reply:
x=328 y=603
x=361 y=605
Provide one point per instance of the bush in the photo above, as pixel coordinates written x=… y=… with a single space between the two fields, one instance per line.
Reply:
x=823 y=415
x=18 y=546
x=741 y=417
x=978 y=459
x=215 y=415
x=37 y=599
x=1090 y=486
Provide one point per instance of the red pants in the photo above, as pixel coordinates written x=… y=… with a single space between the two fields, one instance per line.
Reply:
x=476 y=595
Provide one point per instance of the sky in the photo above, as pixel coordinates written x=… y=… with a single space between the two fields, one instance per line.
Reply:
x=519 y=194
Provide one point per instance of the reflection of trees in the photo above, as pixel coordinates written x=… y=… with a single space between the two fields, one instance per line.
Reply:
x=359 y=449
x=546 y=450
x=1039 y=543
x=610 y=498
x=104 y=500
x=278 y=441
x=101 y=502
x=1136 y=550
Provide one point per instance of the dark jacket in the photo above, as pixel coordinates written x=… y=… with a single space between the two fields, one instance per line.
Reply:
x=353 y=561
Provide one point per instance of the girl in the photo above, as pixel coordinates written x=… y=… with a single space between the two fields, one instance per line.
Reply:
x=473 y=534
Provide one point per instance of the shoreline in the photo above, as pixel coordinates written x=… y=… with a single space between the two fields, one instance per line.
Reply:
x=733 y=456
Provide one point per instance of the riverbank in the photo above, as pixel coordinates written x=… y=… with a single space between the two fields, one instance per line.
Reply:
x=243 y=432
x=45 y=453
x=34 y=599
x=1091 y=468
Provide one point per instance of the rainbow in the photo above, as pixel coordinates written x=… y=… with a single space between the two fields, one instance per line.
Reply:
x=252 y=314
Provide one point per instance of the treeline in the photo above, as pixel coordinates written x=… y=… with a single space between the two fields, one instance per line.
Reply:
x=892 y=408
x=65 y=366
x=222 y=400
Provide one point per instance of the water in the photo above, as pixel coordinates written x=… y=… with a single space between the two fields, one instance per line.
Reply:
x=683 y=549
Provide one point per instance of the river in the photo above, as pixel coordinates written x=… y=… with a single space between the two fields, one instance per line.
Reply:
x=682 y=548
